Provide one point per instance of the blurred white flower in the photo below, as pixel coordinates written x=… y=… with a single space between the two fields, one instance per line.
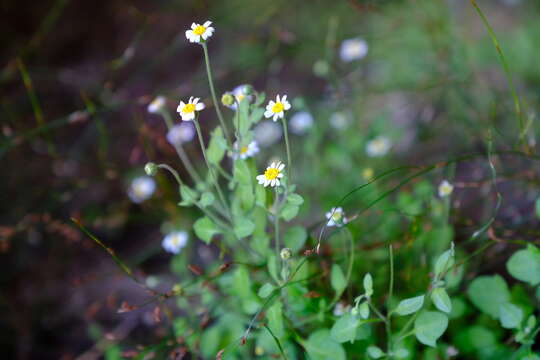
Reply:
x=353 y=49
x=339 y=120
x=174 y=241
x=267 y=133
x=378 y=146
x=187 y=111
x=336 y=217
x=367 y=174
x=244 y=152
x=451 y=351
x=181 y=133
x=301 y=122
x=200 y=32
x=157 y=105
x=272 y=175
x=341 y=309
x=445 y=188
x=276 y=109
x=239 y=94
x=141 y=188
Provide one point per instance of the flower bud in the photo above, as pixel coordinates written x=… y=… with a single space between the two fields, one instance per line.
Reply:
x=248 y=90
x=150 y=169
x=227 y=99
x=285 y=253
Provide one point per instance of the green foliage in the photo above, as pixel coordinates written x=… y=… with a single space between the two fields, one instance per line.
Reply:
x=488 y=293
x=429 y=326
x=410 y=306
x=524 y=265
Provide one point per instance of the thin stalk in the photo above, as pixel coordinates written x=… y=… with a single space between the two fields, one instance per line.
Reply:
x=289 y=162
x=276 y=225
x=390 y=294
x=213 y=92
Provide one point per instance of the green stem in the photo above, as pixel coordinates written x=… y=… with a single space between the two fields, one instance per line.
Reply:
x=389 y=299
x=276 y=226
x=213 y=92
x=289 y=162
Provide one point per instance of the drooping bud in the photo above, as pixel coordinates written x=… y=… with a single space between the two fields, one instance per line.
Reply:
x=150 y=169
x=227 y=99
x=285 y=253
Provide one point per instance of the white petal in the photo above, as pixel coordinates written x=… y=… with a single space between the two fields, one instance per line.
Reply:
x=286 y=105
x=207 y=24
x=189 y=34
x=280 y=175
x=281 y=166
x=268 y=114
x=277 y=98
x=284 y=99
x=277 y=182
x=199 y=106
x=266 y=183
x=276 y=117
x=193 y=26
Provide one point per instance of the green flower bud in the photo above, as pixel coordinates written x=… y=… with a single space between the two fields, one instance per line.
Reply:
x=285 y=253
x=248 y=90
x=227 y=99
x=150 y=169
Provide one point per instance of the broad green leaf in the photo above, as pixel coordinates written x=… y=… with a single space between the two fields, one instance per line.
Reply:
x=207 y=199
x=440 y=298
x=375 y=352
x=487 y=293
x=295 y=199
x=256 y=115
x=410 y=305
x=295 y=238
x=266 y=290
x=344 y=328
x=241 y=172
x=189 y=196
x=289 y=211
x=429 y=326
x=368 y=285
x=243 y=227
x=210 y=340
x=205 y=229
x=524 y=265
x=272 y=266
x=444 y=262
x=217 y=147
x=363 y=310
x=321 y=346
x=511 y=316
x=337 y=279
x=275 y=319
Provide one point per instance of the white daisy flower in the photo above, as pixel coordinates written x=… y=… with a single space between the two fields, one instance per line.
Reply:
x=272 y=175
x=301 y=122
x=339 y=120
x=445 y=188
x=336 y=217
x=181 y=133
x=157 y=105
x=353 y=49
x=187 y=111
x=200 y=33
x=239 y=94
x=276 y=109
x=141 y=188
x=378 y=146
x=174 y=241
x=244 y=152
x=267 y=133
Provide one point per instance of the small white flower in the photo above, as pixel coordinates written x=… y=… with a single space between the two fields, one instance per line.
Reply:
x=353 y=49
x=451 y=351
x=445 y=188
x=272 y=175
x=339 y=120
x=141 y=189
x=181 y=133
x=301 y=122
x=157 y=105
x=336 y=217
x=199 y=32
x=244 y=152
x=174 y=241
x=341 y=309
x=239 y=94
x=187 y=110
x=378 y=146
x=276 y=109
x=267 y=133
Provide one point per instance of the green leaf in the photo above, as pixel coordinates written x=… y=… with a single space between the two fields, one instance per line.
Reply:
x=241 y=172
x=363 y=310
x=295 y=199
x=344 y=328
x=289 y=211
x=256 y=115
x=275 y=319
x=266 y=290
x=368 y=285
x=444 y=262
x=375 y=352
x=321 y=346
x=272 y=266
x=410 y=305
x=217 y=147
x=207 y=199
x=440 y=298
x=487 y=293
x=337 y=279
x=243 y=227
x=401 y=353
x=537 y=207
x=295 y=238
x=205 y=229
x=429 y=326
x=524 y=265
x=511 y=316
x=189 y=196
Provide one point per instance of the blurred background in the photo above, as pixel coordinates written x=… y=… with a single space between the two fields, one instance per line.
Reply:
x=77 y=77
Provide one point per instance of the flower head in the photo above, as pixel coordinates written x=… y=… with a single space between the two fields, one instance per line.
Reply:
x=157 y=105
x=187 y=110
x=353 y=49
x=174 y=241
x=181 y=133
x=141 y=188
x=272 y=175
x=378 y=146
x=244 y=152
x=240 y=93
x=336 y=217
x=267 y=133
x=339 y=120
x=200 y=33
x=276 y=109
x=445 y=188
x=301 y=122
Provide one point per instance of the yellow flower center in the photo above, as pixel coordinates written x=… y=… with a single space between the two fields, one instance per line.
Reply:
x=199 y=30
x=175 y=241
x=278 y=107
x=243 y=150
x=189 y=108
x=336 y=216
x=240 y=97
x=271 y=174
